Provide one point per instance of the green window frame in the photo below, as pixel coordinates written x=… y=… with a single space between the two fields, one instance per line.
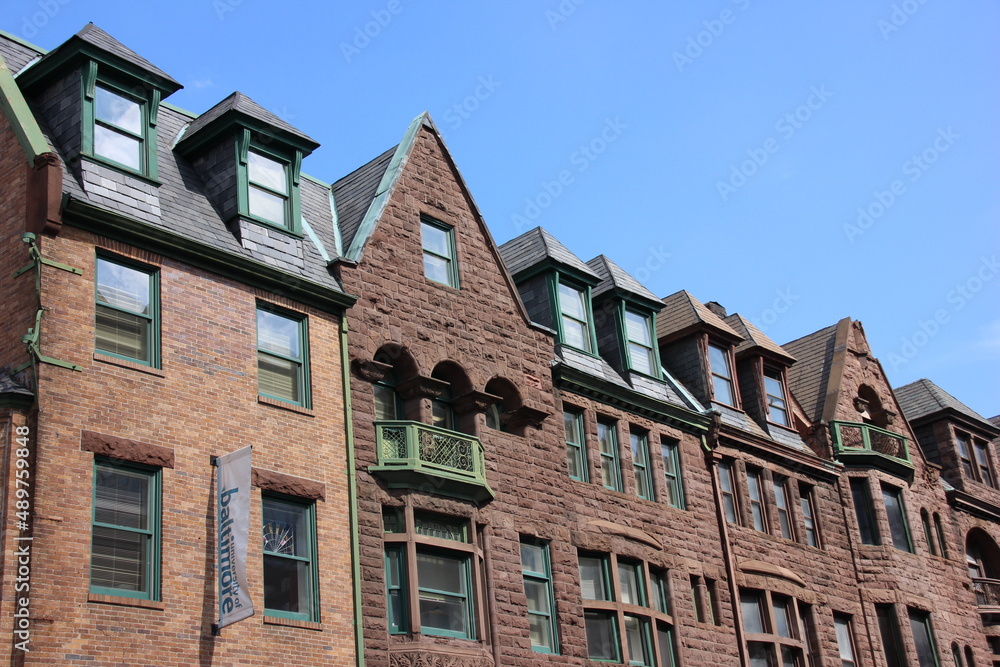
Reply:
x=727 y=485
x=536 y=571
x=282 y=355
x=671 y=455
x=115 y=117
x=576 y=446
x=439 y=252
x=125 y=530
x=127 y=310
x=641 y=469
x=895 y=510
x=755 y=489
x=641 y=343
x=611 y=469
x=781 y=505
x=575 y=323
x=269 y=188
x=865 y=513
x=777 y=407
x=397 y=610
x=288 y=538
x=807 y=504
x=723 y=390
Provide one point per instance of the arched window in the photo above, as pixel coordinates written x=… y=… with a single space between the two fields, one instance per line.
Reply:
x=969 y=660
x=510 y=399
x=956 y=655
x=869 y=405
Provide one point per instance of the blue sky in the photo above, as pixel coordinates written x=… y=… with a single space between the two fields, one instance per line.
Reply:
x=797 y=162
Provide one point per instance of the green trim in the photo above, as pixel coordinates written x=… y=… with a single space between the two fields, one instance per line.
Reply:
x=555 y=280
x=621 y=317
x=352 y=494
x=385 y=188
x=544 y=577
x=675 y=481
x=613 y=457
x=309 y=507
x=177 y=246
x=581 y=382
x=466 y=595
x=549 y=264
x=152 y=565
x=302 y=377
x=579 y=449
x=292 y=164
x=453 y=259
x=22 y=121
x=642 y=469
x=153 y=273
x=92 y=78
x=403 y=626
x=868 y=455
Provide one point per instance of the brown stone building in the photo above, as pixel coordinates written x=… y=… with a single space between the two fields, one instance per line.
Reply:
x=546 y=463
x=160 y=307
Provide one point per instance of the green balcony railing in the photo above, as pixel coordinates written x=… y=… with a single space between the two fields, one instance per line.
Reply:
x=436 y=460
x=855 y=443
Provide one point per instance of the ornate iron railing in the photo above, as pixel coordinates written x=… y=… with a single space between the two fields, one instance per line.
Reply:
x=987 y=591
x=856 y=438
x=408 y=450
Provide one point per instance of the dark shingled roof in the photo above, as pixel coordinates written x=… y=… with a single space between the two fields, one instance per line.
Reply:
x=754 y=338
x=241 y=104
x=102 y=40
x=354 y=194
x=615 y=277
x=16 y=55
x=809 y=376
x=534 y=247
x=683 y=311
x=923 y=397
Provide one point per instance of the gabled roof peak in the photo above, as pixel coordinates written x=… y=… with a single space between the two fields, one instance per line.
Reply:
x=923 y=398
x=754 y=338
x=684 y=314
x=615 y=278
x=537 y=246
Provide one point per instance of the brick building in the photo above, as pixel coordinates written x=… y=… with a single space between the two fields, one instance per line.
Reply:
x=546 y=462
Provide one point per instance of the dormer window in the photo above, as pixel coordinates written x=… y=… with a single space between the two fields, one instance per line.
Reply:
x=641 y=351
x=981 y=468
x=722 y=375
x=574 y=317
x=118 y=128
x=268 y=188
x=777 y=408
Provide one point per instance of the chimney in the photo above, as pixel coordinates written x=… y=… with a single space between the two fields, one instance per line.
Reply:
x=716 y=308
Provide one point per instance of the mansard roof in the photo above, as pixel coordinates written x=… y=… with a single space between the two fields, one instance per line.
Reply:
x=754 y=338
x=536 y=247
x=615 y=279
x=684 y=313
x=809 y=377
x=923 y=398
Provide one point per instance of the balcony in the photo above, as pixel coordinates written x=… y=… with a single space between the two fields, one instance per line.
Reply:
x=987 y=594
x=857 y=444
x=431 y=459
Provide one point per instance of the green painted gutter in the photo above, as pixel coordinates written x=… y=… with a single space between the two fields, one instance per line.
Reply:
x=352 y=493
x=29 y=134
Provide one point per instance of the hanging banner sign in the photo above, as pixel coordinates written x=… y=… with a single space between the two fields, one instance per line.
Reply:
x=233 y=526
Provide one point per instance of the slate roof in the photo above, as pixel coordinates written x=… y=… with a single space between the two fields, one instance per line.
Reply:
x=923 y=398
x=94 y=35
x=241 y=104
x=754 y=338
x=182 y=206
x=354 y=194
x=15 y=54
x=683 y=311
x=809 y=376
x=534 y=247
x=615 y=277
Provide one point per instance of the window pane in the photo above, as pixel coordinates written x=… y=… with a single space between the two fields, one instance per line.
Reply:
x=533 y=558
x=659 y=594
x=982 y=459
x=889 y=634
x=121 y=333
x=610 y=468
x=761 y=655
x=965 y=456
x=122 y=497
x=571 y=301
x=575 y=333
x=385 y=402
x=119 y=147
x=118 y=559
x=863 y=510
x=286 y=585
x=721 y=384
x=278 y=334
x=286 y=528
x=781 y=500
x=442 y=527
x=395 y=592
x=642 y=358
x=782 y=617
x=777 y=410
x=267 y=205
x=844 y=640
x=117 y=110
x=441 y=573
x=122 y=287
x=671 y=471
x=640 y=465
x=437 y=269
x=638 y=328
x=540 y=630
x=920 y=624
x=756 y=500
x=267 y=172
x=575 y=460
x=443 y=594
x=665 y=637
x=538 y=598
x=728 y=491
x=791 y=657
x=278 y=377
x=630 y=579
x=637 y=638
x=592 y=582
x=897 y=519
x=435 y=239
x=808 y=517
x=602 y=636
x=753 y=620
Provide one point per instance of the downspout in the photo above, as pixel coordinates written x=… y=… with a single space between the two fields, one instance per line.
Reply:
x=720 y=516
x=352 y=495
